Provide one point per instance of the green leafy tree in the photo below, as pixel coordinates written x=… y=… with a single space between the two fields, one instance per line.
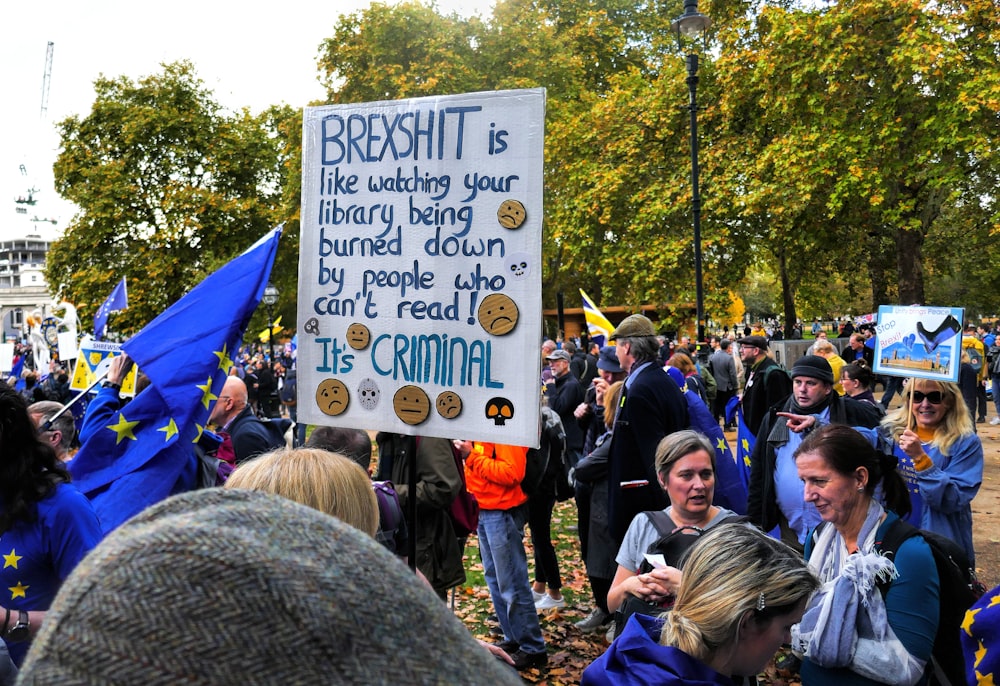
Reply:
x=169 y=188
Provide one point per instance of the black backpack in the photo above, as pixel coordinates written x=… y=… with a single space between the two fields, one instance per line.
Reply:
x=959 y=590
x=547 y=465
x=673 y=543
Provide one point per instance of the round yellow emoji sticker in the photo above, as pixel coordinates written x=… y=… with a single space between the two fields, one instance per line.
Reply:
x=411 y=405
x=497 y=314
x=511 y=214
x=358 y=336
x=332 y=397
x=449 y=404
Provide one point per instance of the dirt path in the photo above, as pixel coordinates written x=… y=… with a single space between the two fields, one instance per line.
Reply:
x=986 y=507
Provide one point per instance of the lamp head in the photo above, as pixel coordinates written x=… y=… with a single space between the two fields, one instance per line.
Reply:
x=270 y=295
x=692 y=23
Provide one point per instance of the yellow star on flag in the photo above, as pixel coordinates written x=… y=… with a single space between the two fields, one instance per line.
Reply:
x=980 y=654
x=170 y=429
x=721 y=444
x=206 y=393
x=970 y=618
x=984 y=679
x=224 y=362
x=746 y=445
x=124 y=429
x=11 y=559
x=198 y=434
x=995 y=600
x=18 y=591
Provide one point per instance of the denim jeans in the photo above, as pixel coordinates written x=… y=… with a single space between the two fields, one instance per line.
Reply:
x=505 y=565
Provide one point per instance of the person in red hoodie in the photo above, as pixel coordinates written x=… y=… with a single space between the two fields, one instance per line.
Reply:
x=493 y=474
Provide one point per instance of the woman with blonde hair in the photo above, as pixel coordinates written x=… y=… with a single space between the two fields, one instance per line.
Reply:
x=325 y=481
x=740 y=595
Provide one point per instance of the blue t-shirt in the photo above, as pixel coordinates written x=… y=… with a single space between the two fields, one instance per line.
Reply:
x=39 y=555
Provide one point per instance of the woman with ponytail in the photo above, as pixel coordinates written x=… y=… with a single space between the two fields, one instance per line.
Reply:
x=739 y=596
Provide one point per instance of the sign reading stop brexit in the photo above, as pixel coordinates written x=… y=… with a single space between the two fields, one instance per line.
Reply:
x=419 y=306
x=918 y=341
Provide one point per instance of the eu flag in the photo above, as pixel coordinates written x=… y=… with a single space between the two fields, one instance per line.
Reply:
x=118 y=300
x=744 y=438
x=146 y=451
x=730 y=483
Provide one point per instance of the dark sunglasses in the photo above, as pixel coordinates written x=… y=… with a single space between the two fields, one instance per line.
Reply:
x=934 y=397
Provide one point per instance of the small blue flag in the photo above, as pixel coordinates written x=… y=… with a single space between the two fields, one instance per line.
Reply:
x=144 y=452
x=118 y=300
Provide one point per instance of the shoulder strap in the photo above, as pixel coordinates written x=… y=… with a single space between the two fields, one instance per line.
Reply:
x=663 y=524
x=894 y=537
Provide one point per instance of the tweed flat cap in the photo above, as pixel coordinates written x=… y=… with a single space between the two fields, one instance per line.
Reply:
x=239 y=587
x=634 y=326
x=754 y=341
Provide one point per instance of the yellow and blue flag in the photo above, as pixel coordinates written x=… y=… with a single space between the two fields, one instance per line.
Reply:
x=145 y=450
x=599 y=329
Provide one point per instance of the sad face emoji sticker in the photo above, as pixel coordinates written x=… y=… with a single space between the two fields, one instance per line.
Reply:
x=511 y=214
x=449 y=404
x=332 y=397
x=411 y=405
x=498 y=314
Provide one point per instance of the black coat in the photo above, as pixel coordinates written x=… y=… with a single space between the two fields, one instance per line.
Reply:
x=653 y=407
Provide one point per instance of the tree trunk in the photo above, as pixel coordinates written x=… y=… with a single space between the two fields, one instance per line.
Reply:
x=910 y=266
x=787 y=296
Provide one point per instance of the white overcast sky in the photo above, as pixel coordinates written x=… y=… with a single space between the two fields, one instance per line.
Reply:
x=250 y=53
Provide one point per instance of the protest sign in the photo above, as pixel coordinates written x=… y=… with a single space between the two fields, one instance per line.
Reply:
x=420 y=266
x=93 y=361
x=917 y=341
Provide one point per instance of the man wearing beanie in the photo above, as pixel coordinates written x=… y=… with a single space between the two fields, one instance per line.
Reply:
x=221 y=587
x=776 y=495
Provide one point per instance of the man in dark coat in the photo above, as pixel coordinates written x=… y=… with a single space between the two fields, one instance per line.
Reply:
x=776 y=496
x=766 y=382
x=236 y=420
x=651 y=407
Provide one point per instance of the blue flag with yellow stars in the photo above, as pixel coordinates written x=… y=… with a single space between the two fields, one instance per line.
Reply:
x=730 y=484
x=744 y=438
x=146 y=451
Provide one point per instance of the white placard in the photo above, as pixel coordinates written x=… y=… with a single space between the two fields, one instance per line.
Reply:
x=67 y=345
x=6 y=357
x=919 y=341
x=419 y=305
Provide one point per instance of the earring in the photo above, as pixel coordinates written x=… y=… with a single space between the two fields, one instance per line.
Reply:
x=860 y=488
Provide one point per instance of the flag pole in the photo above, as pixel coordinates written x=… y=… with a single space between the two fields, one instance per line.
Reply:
x=47 y=425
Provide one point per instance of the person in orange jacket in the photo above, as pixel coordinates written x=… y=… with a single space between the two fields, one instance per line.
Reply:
x=493 y=474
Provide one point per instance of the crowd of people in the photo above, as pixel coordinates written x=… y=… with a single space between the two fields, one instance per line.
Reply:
x=685 y=589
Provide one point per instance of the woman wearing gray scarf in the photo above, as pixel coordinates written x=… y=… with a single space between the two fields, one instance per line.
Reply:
x=850 y=634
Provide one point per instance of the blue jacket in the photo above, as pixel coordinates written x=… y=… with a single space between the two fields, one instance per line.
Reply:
x=636 y=658
x=941 y=495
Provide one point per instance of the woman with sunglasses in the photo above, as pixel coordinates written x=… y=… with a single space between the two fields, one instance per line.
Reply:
x=940 y=456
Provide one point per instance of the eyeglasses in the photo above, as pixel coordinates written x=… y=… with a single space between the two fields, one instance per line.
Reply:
x=934 y=397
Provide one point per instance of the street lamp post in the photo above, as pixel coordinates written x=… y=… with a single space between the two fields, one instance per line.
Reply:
x=270 y=297
x=693 y=24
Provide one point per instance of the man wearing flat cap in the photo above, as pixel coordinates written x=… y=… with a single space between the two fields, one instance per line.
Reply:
x=651 y=407
x=776 y=496
x=564 y=393
x=766 y=382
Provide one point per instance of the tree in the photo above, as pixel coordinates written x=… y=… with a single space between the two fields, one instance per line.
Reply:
x=858 y=118
x=169 y=188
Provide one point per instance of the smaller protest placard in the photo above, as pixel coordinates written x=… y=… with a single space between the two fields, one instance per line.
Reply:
x=92 y=363
x=919 y=341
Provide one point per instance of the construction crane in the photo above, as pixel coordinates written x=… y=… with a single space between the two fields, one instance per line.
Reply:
x=46 y=78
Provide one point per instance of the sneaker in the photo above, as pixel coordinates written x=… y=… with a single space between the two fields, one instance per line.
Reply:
x=995 y=421
x=595 y=621
x=523 y=660
x=536 y=596
x=981 y=420
x=610 y=635
x=549 y=603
